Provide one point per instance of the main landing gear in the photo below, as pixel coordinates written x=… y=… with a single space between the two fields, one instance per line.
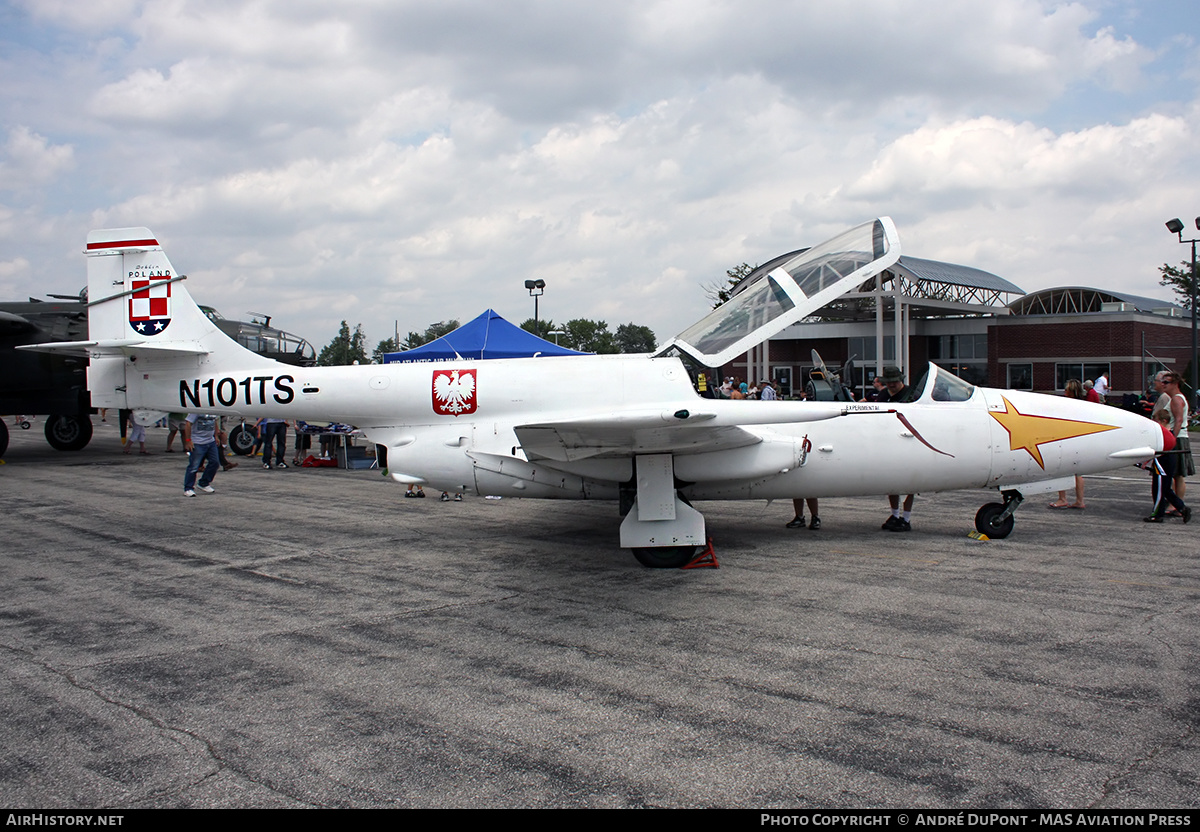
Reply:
x=241 y=440
x=661 y=528
x=68 y=433
x=996 y=519
x=665 y=557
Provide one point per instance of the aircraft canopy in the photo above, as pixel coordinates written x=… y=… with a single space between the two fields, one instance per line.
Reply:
x=774 y=300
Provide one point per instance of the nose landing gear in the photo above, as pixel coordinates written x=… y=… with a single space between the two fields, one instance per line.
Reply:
x=996 y=519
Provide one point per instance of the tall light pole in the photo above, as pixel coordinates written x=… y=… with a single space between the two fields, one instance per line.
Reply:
x=1176 y=227
x=535 y=287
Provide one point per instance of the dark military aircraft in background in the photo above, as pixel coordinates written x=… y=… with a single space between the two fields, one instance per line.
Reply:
x=41 y=383
x=262 y=338
x=55 y=385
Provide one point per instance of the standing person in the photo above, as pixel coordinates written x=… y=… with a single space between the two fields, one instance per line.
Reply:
x=175 y=422
x=895 y=390
x=768 y=392
x=1101 y=386
x=1089 y=392
x=256 y=429
x=1162 y=401
x=136 y=433
x=201 y=433
x=304 y=444
x=1162 y=471
x=1186 y=466
x=872 y=395
x=797 y=522
x=273 y=431
x=1074 y=390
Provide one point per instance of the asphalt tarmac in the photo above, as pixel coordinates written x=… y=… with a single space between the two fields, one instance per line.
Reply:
x=312 y=638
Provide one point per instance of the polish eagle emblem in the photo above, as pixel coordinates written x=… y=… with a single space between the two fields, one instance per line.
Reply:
x=453 y=392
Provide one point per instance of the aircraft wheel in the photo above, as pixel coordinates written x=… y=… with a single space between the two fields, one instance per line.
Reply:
x=241 y=440
x=664 y=557
x=988 y=521
x=3 y=437
x=68 y=433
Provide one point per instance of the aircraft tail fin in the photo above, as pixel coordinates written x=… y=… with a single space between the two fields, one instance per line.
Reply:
x=140 y=315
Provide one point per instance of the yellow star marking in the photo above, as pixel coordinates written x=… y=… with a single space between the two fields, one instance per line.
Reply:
x=1031 y=432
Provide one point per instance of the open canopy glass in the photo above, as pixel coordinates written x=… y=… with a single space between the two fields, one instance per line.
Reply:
x=770 y=302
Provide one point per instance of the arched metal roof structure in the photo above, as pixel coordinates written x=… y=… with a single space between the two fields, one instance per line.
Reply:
x=1079 y=300
x=928 y=288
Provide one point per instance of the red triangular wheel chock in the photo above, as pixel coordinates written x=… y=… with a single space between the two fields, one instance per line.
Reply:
x=706 y=559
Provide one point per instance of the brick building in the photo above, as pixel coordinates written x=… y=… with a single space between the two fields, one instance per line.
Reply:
x=1058 y=334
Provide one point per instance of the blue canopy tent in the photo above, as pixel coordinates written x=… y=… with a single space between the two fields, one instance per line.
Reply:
x=488 y=336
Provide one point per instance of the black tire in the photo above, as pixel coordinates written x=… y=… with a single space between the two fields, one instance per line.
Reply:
x=665 y=557
x=3 y=437
x=241 y=440
x=68 y=433
x=988 y=521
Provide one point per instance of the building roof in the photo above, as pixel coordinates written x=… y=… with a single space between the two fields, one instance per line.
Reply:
x=930 y=288
x=956 y=275
x=1078 y=300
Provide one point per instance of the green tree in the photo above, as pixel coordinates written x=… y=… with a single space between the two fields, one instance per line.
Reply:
x=345 y=348
x=589 y=336
x=634 y=338
x=541 y=328
x=718 y=293
x=431 y=333
x=385 y=346
x=594 y=336
x=1179 y=280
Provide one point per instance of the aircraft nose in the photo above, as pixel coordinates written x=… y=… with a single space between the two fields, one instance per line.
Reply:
x=1140 y=438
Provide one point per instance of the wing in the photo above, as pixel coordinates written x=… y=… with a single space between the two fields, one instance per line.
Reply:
x=678 y=432
x=117 y=347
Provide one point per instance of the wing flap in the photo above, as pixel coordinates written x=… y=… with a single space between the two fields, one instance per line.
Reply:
x=722 y=425
x=568 y=442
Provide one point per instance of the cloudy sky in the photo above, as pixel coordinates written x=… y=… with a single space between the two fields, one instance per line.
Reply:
x=391 y=160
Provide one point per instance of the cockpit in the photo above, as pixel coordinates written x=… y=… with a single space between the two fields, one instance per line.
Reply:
x=939 y=385
x=264 y=340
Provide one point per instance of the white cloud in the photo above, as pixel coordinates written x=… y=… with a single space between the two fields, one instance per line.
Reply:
x=1001 y=160
x=9 y=268
x=30 y=159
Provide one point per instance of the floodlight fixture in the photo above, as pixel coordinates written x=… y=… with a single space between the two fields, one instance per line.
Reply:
x=536 y=288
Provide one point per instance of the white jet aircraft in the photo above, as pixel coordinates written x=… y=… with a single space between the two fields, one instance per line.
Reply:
x=622 y=427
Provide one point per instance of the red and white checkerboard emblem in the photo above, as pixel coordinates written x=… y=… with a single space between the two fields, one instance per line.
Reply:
x=150 y=305
x=454 y=392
